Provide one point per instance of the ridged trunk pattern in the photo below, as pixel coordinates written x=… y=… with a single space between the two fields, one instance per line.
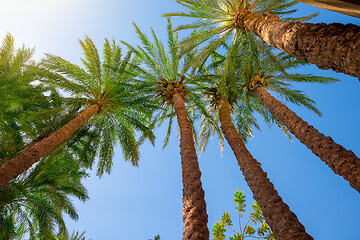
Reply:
x=195 y=217
x=282 y=221
x=342 y=161
x=33 y=153
x=329 y=46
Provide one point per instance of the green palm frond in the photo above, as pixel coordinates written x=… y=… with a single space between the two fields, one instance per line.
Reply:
x=163 y=69
x=214 y=21
x=38 y=199
x=230 y=77
x=110 y=80
x=22 y=100
x=276 y=74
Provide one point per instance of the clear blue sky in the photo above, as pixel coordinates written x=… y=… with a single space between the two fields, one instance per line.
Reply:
x=139 y=203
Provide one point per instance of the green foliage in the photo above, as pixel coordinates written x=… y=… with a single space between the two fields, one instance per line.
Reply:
x=275 y=73
x=226 y=219
x=20 y=98
x=163 y=71
x=219 y=231
x=250 y=230
x=29 y=111
x=157 y=237
x=36 y=201
x=214 y=21
x=111 y=83
x=239 y=200
x=74 y=236
x=231 y=75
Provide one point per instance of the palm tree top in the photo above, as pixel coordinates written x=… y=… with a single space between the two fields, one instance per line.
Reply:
x=111 y=84
x=160 y=62
x=164 y=70
x=215 y=21
x=232 y=75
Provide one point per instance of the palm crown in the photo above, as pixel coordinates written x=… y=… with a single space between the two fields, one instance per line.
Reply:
x=231 y=76
x=216 y=21
x=110 y=84
x=247 y=67
x=166 y=72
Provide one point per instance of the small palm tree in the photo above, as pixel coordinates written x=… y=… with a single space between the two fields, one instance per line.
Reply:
x=105 y=92
x=165 y=80
x=328 y=46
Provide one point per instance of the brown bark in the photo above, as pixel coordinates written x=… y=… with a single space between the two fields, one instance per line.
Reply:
x=343 y=162
x=282 y=221
x=195 y=217
x=32 y=154
x=329 y=46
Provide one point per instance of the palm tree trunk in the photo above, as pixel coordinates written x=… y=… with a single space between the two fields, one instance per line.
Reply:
x=282 y=221
x=32 y=154
x=329 y=46
x=195 y=217
x=343 y=162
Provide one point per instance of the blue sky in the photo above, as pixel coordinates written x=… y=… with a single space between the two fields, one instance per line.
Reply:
x=139 y=203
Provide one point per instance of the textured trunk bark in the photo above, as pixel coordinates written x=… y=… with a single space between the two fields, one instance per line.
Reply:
x=329 y=46
x=282 y=221
x=343 y=162
x=195 y=217
x=30 y=155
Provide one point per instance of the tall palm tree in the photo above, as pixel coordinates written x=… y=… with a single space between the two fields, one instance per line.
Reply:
x=342 y=161
x=104 y=90
x=282 y=221
x=328 y=46
x=164 y=78
x=259 y=74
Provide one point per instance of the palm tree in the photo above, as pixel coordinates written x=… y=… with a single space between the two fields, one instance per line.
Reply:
x=35 y=202
x=328 y=46
x=260 y=74
x=342 y=161
x=164 y=79
x=104 y=90
x=282 y=221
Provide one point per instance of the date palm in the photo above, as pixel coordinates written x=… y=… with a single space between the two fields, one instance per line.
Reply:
x=164 y=78
x=258 y=75
x=105 y=92
x=328 y=46
x=226 y=110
